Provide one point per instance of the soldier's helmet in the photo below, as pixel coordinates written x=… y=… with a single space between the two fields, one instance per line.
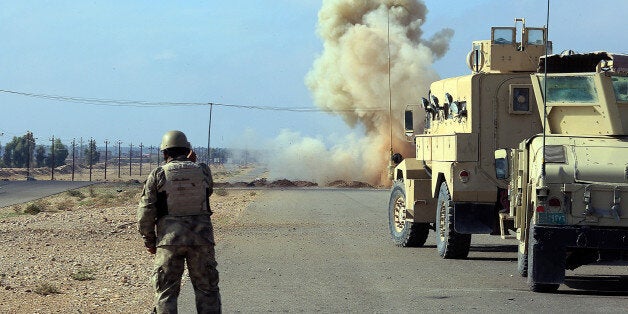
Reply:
x=174 y=139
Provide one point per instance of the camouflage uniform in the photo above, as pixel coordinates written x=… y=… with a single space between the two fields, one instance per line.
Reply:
x=174 y=216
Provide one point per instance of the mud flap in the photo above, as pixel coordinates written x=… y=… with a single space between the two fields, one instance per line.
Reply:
x=546 y=257
x=472 y=218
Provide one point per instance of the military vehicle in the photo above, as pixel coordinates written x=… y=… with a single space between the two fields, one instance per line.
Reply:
x=476 y=169
x=567 y=185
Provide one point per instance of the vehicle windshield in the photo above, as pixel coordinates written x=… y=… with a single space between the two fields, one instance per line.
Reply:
x=620 y=86
x=535 y=37
x=570 y=89
x=503 y=36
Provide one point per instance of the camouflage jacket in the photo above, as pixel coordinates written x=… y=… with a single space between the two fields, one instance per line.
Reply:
x=164 y=219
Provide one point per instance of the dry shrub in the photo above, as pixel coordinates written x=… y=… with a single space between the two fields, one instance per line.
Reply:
x=76 y=193
x=46 y=289
x=36 y=207
x=65 y=204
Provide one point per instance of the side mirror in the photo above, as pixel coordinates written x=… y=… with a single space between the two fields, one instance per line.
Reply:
x=408 y=123
x=501 y=164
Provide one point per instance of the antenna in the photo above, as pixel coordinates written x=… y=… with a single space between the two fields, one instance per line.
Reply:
x=545 y=92
x=390 y=120
x=389 y=87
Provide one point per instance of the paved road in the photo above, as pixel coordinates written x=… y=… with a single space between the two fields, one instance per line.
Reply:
x=330 y=251
x=16 y=192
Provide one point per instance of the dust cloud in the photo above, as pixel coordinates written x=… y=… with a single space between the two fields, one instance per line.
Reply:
x=350 y=79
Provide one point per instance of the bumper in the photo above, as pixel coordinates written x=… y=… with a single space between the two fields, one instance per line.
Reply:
x=548 y=248
x=583 y=237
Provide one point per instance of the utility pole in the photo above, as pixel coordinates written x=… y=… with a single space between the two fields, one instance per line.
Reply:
x=73 y=149
x=28 y=162
x=52 y=165
x=130 y=161
x=90 y=158
x=150 y=158
x=141 y=146
x=119 y=158
x=81 y=149
x=106 y=151
x=209 y=134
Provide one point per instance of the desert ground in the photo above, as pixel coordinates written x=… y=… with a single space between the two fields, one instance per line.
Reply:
x=80 y=252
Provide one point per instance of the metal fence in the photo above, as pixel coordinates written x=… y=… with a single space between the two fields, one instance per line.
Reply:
x=87 y=161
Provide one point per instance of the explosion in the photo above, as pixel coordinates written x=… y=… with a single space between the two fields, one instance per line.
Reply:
x=351 y=79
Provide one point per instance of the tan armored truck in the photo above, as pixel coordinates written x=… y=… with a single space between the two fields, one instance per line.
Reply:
x=451 y=185
x=484 y=163
x=569 y=186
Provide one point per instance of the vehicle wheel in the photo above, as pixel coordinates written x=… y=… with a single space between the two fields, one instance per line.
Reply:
x=535 y=264
x=404 y=233
x=544 y=287
x=449 y=243
x=522 y=260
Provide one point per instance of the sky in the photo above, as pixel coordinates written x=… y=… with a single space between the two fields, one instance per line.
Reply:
x=240 y=52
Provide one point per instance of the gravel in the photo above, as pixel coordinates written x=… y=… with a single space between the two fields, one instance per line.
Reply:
x=41 y=255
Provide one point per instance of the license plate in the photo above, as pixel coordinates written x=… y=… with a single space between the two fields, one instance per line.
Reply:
x=552 y=218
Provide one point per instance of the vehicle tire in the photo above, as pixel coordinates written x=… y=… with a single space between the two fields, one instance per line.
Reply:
x=450 y=244
x=532 y=263
x=544 y=287
x=522 y=260
x=404 y=234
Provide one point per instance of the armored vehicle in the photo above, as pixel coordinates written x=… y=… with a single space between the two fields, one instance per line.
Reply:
x=569 y=186
x=493 y=158
x=450 y=185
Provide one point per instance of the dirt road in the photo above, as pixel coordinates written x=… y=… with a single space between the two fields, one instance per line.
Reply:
x=330 y=251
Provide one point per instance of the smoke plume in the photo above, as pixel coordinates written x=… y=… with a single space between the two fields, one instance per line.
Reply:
x=350 y=78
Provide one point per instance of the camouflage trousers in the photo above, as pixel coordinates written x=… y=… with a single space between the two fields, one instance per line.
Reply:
x=169 y=262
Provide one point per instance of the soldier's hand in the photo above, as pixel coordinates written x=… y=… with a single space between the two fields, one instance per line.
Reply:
x=151 y=249
x=192 y=156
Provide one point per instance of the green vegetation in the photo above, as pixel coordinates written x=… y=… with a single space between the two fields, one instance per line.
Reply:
x=18 y=150
x=22 y=152
x=221 y=192
x=91 y=153
x=83 y=275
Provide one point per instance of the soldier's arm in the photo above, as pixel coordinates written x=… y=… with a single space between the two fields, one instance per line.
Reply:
x=147 y=210
x=209 y=178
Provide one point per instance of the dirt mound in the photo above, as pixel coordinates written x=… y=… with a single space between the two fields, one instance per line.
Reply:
x=349 y=184
x=65 y=169
x=282 y=183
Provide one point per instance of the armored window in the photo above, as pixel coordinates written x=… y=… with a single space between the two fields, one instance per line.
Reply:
x=570 y=89
x=503 y=36
x=521 y=99
x=520 y=102
x=535 y=36
x=620 y=86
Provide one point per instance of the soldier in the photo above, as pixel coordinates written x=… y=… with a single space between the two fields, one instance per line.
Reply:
x=174 y=221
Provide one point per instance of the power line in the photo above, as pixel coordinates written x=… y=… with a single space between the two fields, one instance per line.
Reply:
x=139 y=103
